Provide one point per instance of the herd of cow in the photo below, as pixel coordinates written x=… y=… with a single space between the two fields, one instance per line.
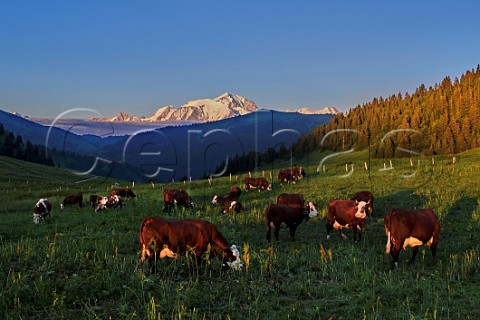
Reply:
x=161 y=237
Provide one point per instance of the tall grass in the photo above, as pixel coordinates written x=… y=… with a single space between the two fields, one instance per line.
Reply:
x=82 y=264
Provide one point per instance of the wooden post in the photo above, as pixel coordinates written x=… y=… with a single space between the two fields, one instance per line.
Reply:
x=433 y=161
x=153 y=185
x=324 y=168
x=249 y=174
x=366 y=166
x=454 y=160
x=271 y=175
x=411 y=162
x=133 y=184
x=230 y=177
x=391 y=164
x=346 y=167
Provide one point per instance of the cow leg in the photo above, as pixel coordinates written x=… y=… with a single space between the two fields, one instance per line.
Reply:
x=434 y=250
x=269 y=229
x=276 y=231
x=414 y=253
x=355 y=232
x=395 y=252
x=292 y=232
x=329 y=228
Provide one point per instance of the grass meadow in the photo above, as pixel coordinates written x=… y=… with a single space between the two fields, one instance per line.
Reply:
x=84 y=265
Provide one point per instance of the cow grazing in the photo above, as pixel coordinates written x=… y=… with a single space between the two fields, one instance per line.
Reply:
x=278 y=215
x=229 y=202
x=94 y=200
x=257 y=183
x=123 y=192
x=366 y=196
x=235 y=192
x=109 y=202
x=411 y=228
x=177 y=197
x=291 y=199
x=286 y=176
x=41 y=210
x=160 y=238
x=347 y=214
x=72 y=200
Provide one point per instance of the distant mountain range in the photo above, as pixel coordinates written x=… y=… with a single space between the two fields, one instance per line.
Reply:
x=222 y=107
x=177 y=151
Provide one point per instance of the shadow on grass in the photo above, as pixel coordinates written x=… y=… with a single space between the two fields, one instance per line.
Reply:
x=458 y=228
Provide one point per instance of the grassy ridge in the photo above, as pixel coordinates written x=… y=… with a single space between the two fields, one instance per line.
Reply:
x=82 y=264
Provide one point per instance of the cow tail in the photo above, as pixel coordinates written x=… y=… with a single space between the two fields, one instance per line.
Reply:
x=387 y=222
x=389 y=243
x=142 y=226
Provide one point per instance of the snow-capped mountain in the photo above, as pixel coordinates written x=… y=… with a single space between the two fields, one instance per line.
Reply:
x=326 y=110
x=225 y=106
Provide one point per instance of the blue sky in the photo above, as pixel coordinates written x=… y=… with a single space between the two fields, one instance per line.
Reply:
x=137 y=56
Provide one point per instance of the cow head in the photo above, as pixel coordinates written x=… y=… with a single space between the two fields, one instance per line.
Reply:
x=232 y=257
x=41 y=210
x=310 y=210
x=361 y=207
x=269 y=188
x=301 y=173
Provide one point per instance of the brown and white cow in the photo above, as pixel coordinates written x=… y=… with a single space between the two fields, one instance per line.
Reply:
x=411 y=228
x=366 y=196
x=160 y=238
x=229 y=202
x=257 y=183
x=291 y=216
x=72 y=200
x=41 y=210
x=94 y=200
x=291 y=175
x=123 y=192
x=109 y=202
x=176 y=197
x=347 y=214
x=291 y=199
x=286 y=176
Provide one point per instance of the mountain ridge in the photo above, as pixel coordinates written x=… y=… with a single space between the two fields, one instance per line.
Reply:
x=222 y=107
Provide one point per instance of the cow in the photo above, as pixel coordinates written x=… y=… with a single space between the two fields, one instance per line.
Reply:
x=41 y=210
x=123 y=192
x=278 y=215
x=291 y=199
x=177 y=197
x=286 y=176
x=260 y=183
x=229 y=202
x=94 y=200
x=366 y=196
x=347 y=214
x=109 y=202
x=235 y=192
x=160 y=238
x=411 y=228
x=72 y=200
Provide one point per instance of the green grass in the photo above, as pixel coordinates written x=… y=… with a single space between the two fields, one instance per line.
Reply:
x=82 y=264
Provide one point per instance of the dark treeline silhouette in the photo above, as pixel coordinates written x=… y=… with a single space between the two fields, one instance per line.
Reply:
x=12 y=146
x=253 y=159
x=442 y=119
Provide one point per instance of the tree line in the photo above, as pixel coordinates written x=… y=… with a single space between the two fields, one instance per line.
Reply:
x=13 y=146
x=441 y=119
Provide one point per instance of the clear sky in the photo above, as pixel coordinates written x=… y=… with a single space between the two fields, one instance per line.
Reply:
x=137 y=56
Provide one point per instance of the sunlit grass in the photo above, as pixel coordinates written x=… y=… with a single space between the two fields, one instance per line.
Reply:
x=82 y=264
